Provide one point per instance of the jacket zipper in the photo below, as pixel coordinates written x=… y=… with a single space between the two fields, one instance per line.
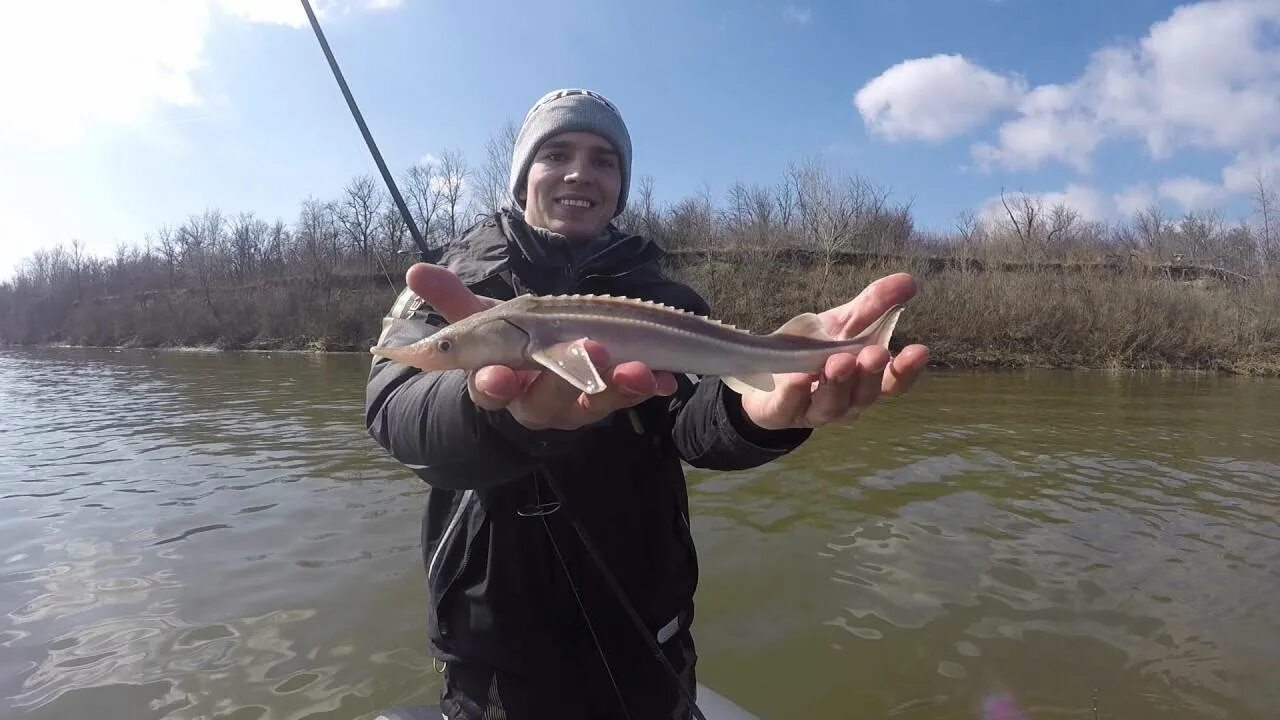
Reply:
x=448 y=533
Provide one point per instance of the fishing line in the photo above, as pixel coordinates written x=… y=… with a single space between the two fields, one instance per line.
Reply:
x=576 y=596
x=622 y=598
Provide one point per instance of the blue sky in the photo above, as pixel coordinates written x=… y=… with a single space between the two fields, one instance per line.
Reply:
x=123 y=117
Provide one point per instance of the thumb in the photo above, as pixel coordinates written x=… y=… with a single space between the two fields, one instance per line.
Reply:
x=445 y=292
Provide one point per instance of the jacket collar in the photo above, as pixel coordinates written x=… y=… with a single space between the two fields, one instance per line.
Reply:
x=491 y=246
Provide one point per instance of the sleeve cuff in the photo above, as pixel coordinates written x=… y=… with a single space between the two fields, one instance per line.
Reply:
x=733 y=420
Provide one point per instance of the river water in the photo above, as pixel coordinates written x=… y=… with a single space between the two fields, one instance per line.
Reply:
x=200 y=535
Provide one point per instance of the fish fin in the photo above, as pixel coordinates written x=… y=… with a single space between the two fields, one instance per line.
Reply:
x=747 y=384
x=879 y=332
x=804 y=325
x=570 y=361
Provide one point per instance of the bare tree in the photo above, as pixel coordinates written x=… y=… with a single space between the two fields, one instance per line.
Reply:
x=642 y=215
x=1264 y=203
x=358 y=211
x=1062 y=219
x=274 y=245
x=317 y=241
x=492 y=176
x=424 y=196
x=784 y=195
x=394 y=233
x=247 y=234
x=691 y=224
x=454 y=179
x=201 y=238
x=1199 y=233
x=1025 y=218
x=1153 y=229
x=835 y=215
x=171 y=251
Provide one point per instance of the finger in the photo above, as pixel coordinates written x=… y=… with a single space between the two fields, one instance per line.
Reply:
x=847 y=320
x=494 y=387
x=871 y=364
x=905 y=369
x=445 y=292
x=637 y=379
x=787 y=403
x=834 y=393
x=629 y=385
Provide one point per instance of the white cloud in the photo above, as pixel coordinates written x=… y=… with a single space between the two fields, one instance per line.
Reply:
x=73 y=65
x=1242 y=174
x=1085 y=200
x=934 y=98
x=797 y=15
x=1133 y=199
x=1208 y=76
x=69 y=65
x=1038 y=137
x=1191 y=194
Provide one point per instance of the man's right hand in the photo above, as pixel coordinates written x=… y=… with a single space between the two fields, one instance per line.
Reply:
x=537 y=400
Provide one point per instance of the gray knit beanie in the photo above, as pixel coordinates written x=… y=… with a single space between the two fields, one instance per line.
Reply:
x=570 y=110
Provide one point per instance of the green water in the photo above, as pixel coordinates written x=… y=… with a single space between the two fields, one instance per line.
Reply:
x=199 y=535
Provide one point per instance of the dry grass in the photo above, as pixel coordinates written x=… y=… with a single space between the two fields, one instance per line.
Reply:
x=1030 y=319
x=287 y=316
x=997 y=319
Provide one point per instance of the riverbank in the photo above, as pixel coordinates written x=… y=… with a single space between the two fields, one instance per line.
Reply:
x=968 y=320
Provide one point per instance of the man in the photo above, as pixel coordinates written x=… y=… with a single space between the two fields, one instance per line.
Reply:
x=542 y=497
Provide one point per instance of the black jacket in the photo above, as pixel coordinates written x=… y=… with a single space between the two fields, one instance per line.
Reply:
x=496 y=548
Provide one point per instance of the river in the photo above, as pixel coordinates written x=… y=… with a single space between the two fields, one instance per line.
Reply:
x=200 y=535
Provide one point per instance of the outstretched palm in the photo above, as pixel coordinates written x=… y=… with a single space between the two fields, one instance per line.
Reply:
x=848 y=383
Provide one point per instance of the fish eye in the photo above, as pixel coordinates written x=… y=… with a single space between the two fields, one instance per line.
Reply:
x=444 y=346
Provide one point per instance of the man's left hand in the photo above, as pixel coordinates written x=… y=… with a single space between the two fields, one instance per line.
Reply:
x=848 y=383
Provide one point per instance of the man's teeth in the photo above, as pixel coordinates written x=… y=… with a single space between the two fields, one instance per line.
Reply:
x=574 y=203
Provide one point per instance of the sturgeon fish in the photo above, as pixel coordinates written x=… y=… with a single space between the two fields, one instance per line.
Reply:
x=548 y=332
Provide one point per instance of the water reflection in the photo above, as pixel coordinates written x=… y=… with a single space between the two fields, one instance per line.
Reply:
x=195 y=535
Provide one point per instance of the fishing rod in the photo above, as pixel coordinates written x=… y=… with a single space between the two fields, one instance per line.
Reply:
x=368 y=139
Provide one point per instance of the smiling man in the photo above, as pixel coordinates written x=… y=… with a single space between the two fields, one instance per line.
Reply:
x=542 y=498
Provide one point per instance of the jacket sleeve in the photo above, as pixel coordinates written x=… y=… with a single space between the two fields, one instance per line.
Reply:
x=710 y=430
x=426 y=420
x=708 y=425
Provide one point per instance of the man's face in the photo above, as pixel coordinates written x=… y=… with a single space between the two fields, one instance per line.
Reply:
x=573 y=185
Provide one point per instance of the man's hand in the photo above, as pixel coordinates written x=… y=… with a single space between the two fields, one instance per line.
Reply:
x=848 y=383
x=536 y=399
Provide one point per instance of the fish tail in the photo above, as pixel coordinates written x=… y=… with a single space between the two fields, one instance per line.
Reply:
x=881 y=331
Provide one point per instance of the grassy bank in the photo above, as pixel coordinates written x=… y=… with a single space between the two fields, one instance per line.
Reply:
x=967 y=319
x=1033 y=319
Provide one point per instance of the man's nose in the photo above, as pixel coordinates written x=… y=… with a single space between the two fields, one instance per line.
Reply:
x=577 y=172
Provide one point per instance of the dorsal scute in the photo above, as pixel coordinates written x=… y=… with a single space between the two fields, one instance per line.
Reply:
x=638 y=301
